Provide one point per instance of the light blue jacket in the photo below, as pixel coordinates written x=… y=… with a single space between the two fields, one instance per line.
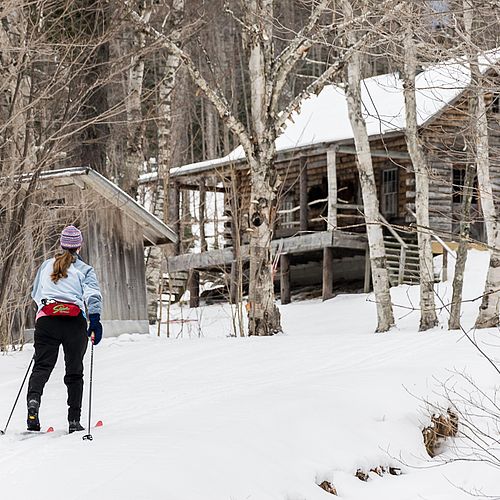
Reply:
x=80 y=287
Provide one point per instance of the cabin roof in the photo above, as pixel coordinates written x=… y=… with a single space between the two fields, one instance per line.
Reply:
x=155 y=231
x=324 y=118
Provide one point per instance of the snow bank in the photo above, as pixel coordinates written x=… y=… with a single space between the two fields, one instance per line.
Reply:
x=204 y=416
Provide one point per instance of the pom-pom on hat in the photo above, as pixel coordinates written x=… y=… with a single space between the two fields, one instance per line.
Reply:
x=71 y=238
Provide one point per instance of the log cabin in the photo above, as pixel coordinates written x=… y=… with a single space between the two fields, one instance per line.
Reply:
x=319 y=232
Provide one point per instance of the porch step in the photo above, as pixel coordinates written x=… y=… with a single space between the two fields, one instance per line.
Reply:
x=393 y=258
x=175 y=284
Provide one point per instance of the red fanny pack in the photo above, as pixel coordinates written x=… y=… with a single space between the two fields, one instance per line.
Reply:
x=61 y=309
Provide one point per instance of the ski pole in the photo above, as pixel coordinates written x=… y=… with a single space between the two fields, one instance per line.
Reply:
x=88 y=437
x=17 y=398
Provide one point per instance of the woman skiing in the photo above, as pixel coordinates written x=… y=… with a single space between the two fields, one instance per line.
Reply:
x=63 y=286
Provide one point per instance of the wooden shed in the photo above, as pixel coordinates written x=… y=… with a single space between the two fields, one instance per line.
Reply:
x=116 y=229
x=319 y=217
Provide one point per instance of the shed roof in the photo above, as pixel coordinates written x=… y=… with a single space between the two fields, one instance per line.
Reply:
x=324 y=118
x=156 y=232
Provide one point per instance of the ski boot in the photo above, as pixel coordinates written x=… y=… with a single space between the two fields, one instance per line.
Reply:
x=75 y=426
x=33 y=420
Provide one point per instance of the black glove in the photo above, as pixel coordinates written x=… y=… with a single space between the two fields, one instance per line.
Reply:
x=95 y=328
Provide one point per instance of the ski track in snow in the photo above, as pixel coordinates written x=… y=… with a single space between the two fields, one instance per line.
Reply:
x=220 y=418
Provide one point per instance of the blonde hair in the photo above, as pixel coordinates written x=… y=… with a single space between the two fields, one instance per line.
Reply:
x=62 y=262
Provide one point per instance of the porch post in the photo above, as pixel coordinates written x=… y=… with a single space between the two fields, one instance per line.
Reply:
x=201 y=215
x=327 y=273
x=174 y=213
x=368 y=270
x=285 y=278
x=331 y=167
x=194 y=289
x=233 y=285
x=303 y=195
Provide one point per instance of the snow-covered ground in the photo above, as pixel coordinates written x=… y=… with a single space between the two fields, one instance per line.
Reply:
x=205 y=415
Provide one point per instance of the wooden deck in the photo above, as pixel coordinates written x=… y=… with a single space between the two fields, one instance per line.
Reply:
x=295 y=245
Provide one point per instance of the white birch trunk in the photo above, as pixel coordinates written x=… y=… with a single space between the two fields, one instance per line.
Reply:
x=133 y=102
x=164 y=133
x=428 y=317
x=479 y=129
x=380 y=275
x=488 y=315
x=264 y=316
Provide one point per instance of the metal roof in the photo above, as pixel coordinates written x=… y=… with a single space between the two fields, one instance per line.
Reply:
x=155 y=231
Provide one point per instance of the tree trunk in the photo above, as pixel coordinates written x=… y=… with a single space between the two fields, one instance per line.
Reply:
x=164 y=156
x=428 y=317
x=479 y=129
x=380 y=275
x=264 y=316
x=134 y=153
x=458 y=278
x=489 y=310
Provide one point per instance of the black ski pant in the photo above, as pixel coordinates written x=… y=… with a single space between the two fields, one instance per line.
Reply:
x=50 y=333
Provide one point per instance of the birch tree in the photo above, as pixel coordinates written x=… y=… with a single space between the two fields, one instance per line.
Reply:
x=380 y=274
x=428 y=317
x=170 y=63
x=488 y=315
x=134 y=157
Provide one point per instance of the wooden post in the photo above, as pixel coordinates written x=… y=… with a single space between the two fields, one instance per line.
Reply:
x=304 y=223
x=194 y=289
x=331 y=167
x=368 y=270
x=201 y=215
x=233 y=285
x=327 y=273
x=285 y=278
x=445 y=265
x=174 y=213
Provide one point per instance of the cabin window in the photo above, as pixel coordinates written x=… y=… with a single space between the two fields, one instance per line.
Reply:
x=495 y=103
x=55 y=203
x=458 y=186
x=287 y=216
x=390 y=192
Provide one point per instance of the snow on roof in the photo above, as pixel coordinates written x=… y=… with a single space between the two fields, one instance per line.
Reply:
x=155 y=231
x=323 y=118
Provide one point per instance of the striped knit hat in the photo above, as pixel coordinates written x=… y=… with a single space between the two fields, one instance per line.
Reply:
x=71 y=238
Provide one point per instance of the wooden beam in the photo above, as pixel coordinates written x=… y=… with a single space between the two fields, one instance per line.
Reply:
x=201 y=215
x=194 y=289
x=297 y=245
x=327 y=273
x=331 y=167
x=285 y=278
x=396 y=155
x=303 y=195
